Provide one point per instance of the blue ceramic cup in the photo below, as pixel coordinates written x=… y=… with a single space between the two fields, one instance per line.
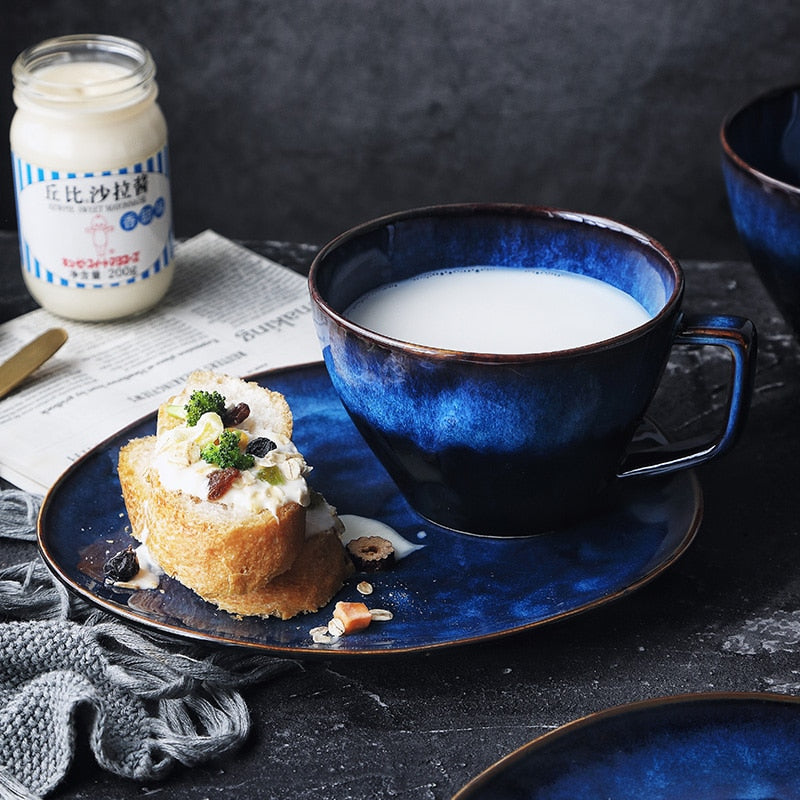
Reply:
x=512 y=445
x=761 y=167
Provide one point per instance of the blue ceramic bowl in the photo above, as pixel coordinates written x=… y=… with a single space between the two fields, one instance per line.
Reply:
x=508 y=445
x=736 y=746
x=761 y=167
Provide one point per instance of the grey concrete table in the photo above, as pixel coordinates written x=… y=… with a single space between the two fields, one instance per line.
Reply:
x=725 y=617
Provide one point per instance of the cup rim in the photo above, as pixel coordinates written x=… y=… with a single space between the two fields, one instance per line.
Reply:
x=510 y=209
x=740 y=162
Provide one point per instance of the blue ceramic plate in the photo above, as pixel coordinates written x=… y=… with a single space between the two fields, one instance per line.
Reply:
x=456 y=589
x=698 y=747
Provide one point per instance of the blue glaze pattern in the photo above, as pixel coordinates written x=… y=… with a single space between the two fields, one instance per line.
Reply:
x=510 y=444
x=439 y=595
x=503 y=235
x=703 y=747
x=761 y=169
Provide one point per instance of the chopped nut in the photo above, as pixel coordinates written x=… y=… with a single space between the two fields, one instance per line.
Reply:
x=353 y=616
x=320 y=635
x=371 y=553
x=292 y=469
x=335 y=627
x=348 y=618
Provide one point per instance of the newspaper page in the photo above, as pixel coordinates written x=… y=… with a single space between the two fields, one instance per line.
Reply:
x=228 y=309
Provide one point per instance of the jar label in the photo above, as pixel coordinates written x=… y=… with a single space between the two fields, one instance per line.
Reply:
x=94 y=229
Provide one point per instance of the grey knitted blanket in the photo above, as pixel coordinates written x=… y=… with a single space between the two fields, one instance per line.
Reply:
x=151 y=702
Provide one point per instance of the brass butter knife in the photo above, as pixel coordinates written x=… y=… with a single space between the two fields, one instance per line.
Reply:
x=33 y=355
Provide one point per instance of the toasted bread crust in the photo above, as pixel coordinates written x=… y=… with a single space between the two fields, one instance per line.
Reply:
x=318 y=573
x=264 y=403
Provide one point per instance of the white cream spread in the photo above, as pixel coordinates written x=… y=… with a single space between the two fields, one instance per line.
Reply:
x=321 y=517
x=149 y=573
x=179 y=467
x=355 y=527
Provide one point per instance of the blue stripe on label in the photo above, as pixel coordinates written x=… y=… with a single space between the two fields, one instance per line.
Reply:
x=29 y=173
x=26 y=174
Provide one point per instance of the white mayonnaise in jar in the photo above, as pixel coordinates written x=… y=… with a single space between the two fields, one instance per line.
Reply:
x=91 y=174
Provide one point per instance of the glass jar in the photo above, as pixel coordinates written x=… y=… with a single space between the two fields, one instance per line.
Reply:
x=91 y=175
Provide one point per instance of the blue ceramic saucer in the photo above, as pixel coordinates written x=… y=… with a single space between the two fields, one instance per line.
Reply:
x=703 y=746
x=456 y=589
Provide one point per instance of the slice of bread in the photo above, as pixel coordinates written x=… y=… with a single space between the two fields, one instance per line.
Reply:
x=209 y=547
x=318 y=573
x=245 y=560
x=269 y=409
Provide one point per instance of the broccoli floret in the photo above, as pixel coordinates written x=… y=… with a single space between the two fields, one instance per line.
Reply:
x=202 y=402
x=227 y=453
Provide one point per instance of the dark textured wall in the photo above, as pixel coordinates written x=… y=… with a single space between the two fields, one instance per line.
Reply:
x=296 y=119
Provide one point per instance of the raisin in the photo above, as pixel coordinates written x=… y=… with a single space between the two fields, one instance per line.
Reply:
x=260 y=446
x=220 y=480
x=235 y=415
x=122 y=566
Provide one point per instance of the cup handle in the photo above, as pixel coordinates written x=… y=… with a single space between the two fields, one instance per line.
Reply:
x=738 y=336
